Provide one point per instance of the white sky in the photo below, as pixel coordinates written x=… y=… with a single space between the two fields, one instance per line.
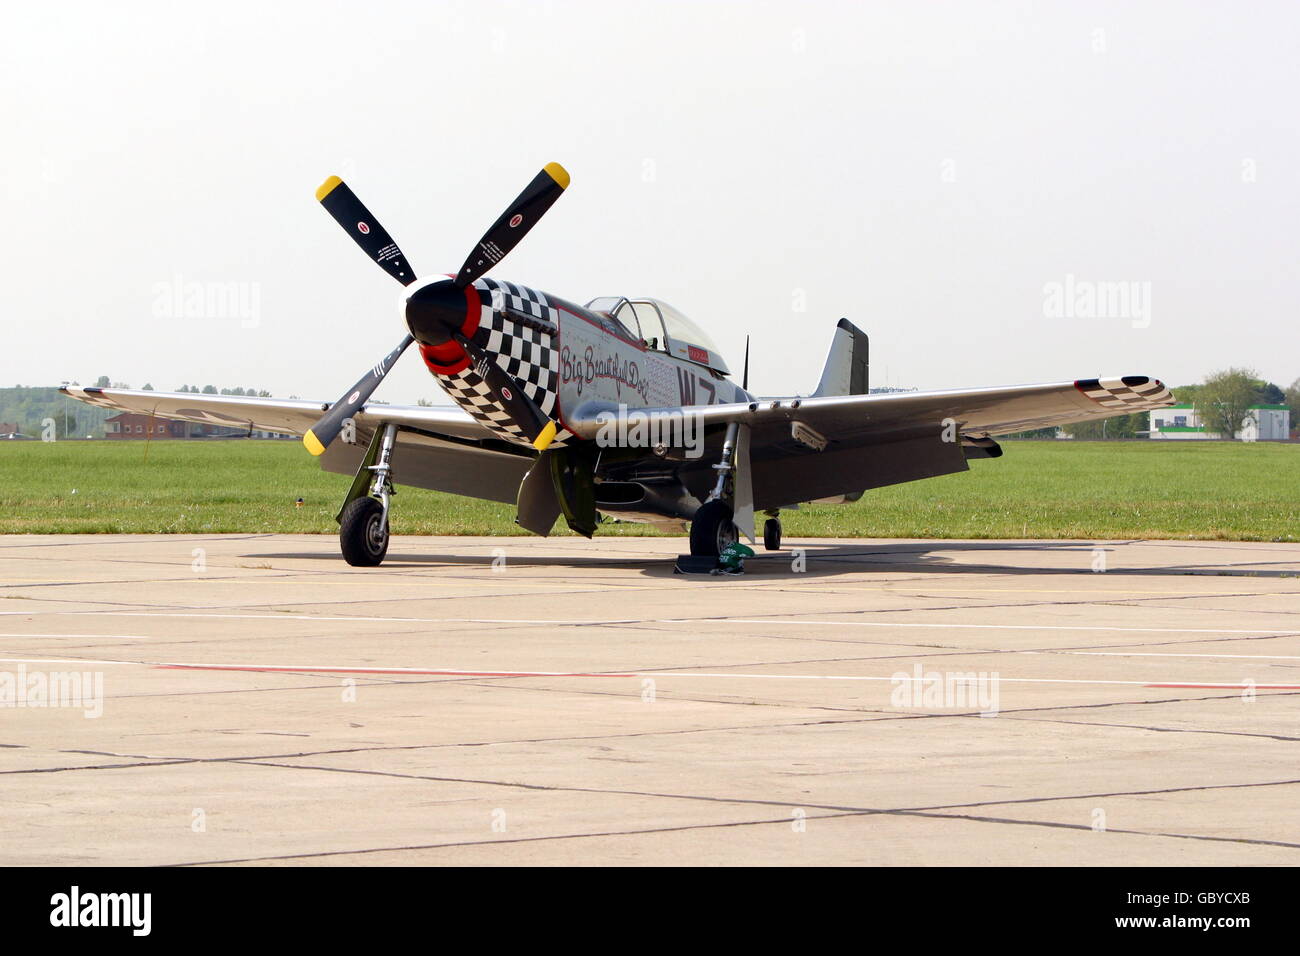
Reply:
x=791 y=150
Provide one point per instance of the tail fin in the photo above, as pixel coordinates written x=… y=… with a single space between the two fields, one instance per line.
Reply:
x=846 y=365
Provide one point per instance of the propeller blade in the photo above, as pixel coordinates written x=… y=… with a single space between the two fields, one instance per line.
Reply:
x=519 y=217
x=320 y=435
x=539 y=429
x=351 y=213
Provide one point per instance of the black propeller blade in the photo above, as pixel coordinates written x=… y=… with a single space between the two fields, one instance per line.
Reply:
x=351 y=213
x=519 y=217
x=539 y=429
x=512 y=225
x=327 y=429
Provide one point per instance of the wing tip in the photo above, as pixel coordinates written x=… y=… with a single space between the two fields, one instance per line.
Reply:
x=1136 y=392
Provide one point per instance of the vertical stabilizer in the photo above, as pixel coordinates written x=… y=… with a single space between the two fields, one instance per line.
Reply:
x=846 y=367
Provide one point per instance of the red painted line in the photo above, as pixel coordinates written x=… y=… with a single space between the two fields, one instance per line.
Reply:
x=1231 y=686
x=306 y=668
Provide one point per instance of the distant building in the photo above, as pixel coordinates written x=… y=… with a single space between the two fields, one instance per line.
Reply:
x=130 y=425
x=1266 y=423
x=9 y=428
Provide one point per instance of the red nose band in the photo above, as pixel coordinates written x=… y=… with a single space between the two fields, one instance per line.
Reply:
x=445 y=359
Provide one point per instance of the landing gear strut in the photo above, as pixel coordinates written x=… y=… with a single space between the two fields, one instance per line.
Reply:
x=712 y=528
x=363 y=522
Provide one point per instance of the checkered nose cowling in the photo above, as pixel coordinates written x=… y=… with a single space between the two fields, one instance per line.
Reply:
x=1133 y=393
x=513 y=330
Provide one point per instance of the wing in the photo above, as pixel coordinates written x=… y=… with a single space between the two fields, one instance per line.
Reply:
x=443 y=449
x=803 y=449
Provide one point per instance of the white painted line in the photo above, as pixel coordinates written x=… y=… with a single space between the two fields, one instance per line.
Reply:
x=901 y=677
x=89 y=637
x=569 y=622
x=62 y=660
x=991 y=627
x=324 y=617
x=1249 y=657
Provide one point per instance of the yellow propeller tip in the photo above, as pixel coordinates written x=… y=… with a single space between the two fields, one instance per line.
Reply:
x=559 y=174
x=546 y=437
x=327 y=187
x=313 y=443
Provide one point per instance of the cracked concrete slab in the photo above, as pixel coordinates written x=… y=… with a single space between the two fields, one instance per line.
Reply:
x=262 y=702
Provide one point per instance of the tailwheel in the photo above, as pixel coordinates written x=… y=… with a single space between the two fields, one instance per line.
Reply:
x=772 y=534
x=363 y=533
x=712 y=529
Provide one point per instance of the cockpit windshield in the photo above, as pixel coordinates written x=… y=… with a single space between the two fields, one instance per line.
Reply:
x=680 y=327
x=662 y=327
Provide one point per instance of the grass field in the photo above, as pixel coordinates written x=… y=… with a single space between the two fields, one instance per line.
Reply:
x=1247 y=492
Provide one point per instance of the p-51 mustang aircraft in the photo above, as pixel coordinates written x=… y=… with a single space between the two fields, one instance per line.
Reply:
x=542 y=384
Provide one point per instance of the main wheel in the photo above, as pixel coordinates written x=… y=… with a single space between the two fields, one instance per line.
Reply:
x=772 y=534
x=363 y=533
x=712 y=529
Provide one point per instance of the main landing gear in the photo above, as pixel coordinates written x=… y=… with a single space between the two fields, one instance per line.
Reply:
x=363 y=533
x=363 y=521
x=730 y=506
x=713 y=527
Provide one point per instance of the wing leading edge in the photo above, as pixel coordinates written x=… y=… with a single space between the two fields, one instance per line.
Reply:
x=286 y=416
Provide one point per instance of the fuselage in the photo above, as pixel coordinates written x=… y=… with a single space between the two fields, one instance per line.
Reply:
x=565 y=356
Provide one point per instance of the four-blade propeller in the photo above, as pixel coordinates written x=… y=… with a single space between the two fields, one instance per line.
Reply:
x=428 y=308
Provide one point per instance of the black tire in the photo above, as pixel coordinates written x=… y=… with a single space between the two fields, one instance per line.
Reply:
x=363 y=533
x=712 y=529
x=772 y=534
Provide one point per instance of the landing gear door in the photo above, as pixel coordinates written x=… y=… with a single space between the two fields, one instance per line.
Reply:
x=743 y=509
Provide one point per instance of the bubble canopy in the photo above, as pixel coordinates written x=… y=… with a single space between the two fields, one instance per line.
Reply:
x=663 y=328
